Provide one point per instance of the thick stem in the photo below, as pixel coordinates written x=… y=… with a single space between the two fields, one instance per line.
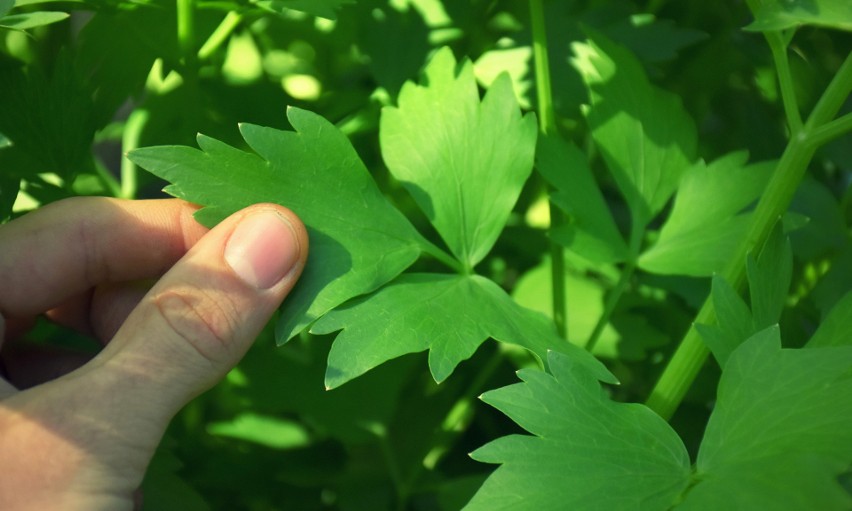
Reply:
x=547 y=124
x=429 y=248
x=830 y=130
x=691 y=354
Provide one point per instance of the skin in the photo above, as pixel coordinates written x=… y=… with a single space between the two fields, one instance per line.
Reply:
x=79 y=434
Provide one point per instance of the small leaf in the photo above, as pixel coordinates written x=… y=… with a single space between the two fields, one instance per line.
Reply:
x=706 y=222
x=591 y=230
x=644 y=134
x=783 y=14
x=769 y=277
x=450 y=315
x=321 y=8
x=273 y=432
x=463 y=161
x=781 y=430
x=31 y=19
x=358 y=240
x=836 y=328
x=734 y=321
x=588 y=451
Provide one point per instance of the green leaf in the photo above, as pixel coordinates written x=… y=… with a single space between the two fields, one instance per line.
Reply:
x=31 y=19
x=707 y=222
x=733 y=321
x=588 y=452
x=321 y=8
x=463 y=161
x=9 y=188
x=644 y=134
x=836 y=328
x=6 y=6
x=783 y=14
x=769 y=278
x=591 y=230
x=781 y=430
x=273 y=432
x=358 y=240
x=450 y=315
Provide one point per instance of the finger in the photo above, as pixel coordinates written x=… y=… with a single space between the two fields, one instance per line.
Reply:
x=201 y=317
x=6 y=388
x=69 y=246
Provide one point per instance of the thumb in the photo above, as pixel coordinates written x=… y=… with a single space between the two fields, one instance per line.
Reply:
x=197 y=322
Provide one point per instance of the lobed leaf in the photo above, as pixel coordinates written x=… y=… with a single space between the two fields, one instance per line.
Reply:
x=707 y=220
x=646 y=138
x=449 y=315
x=588 y=452
x=463 y=161
x=769 y=277
x=781 y=430
x=359 y=241
x=783 y=14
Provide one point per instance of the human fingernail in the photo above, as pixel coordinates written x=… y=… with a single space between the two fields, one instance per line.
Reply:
x=262 y=249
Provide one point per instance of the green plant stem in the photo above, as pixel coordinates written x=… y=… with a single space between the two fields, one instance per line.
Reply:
x=220 y=35
x=830 y=130
x=547 y=125
x=785 y=80
x=107 y=180
x=186 y=31
x=136 y=122
x=691 y=354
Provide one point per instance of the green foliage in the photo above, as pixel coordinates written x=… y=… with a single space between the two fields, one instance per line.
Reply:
x=626 y=458
x=696 y=175
x=462 y=161
x=358 y=240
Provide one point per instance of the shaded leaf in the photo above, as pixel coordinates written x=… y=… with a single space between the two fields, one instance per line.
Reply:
x=836 y=328
x=358 y=240
x=707 y=223
x=588 y=452
x=6 y=6
x=644 y=134
x=782 y=14
x=463 y=161
x=449 y=315
x=322 y=8
x=591 y=230
x=781 y=430
x=769 y=278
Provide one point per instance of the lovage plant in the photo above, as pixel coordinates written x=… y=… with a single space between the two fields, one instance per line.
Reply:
x=657 y=196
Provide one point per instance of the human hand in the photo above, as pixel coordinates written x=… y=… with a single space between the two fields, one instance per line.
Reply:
x=84 y=439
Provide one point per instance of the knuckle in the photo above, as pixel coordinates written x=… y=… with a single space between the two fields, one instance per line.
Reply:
x=201 y=322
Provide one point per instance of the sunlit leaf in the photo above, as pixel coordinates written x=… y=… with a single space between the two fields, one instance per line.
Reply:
x=463 y=161
x=358 y=240
x=29 y=20
x=450 y=315
x=322 y=8
x=707 y=221
x=588 y=451
x=644 y=134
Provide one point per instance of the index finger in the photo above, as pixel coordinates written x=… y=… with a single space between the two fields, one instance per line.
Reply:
x=73 y=245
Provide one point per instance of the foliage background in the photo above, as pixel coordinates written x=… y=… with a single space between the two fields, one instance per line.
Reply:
x=78 y=93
